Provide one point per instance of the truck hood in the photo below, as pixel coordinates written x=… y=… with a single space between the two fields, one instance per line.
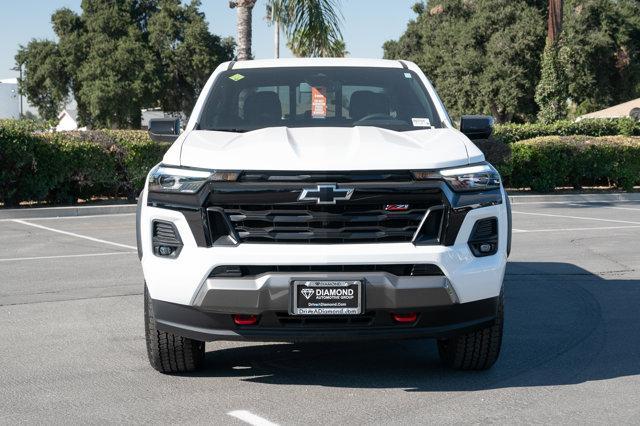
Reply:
x=325 y=149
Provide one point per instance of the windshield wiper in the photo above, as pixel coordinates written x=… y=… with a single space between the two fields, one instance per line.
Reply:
x=229 y=129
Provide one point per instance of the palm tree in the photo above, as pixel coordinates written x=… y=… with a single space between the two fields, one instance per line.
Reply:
x=274 y=16
x=554 y=20
x=312 y=27
x=245 y=7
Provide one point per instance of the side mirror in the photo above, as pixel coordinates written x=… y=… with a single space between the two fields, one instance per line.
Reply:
x=164 y=129
x=477 y=126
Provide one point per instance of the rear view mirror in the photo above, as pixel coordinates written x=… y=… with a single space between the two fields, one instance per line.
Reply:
x=164 y=129
x=477 y=126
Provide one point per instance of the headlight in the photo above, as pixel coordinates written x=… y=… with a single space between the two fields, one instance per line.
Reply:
x=469 y=178
x=189 y=181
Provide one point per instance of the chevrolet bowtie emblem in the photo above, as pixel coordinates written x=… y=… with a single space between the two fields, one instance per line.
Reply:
x=326 y=194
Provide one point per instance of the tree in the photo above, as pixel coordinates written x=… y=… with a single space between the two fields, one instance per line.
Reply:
x=601 y=52
x=554 y=19
x=487 y=55
x=409 y=46
x=274 y=14
x=245 y=10
x=119 y=56
x=187 y=52
x=312 y=27
x=302 y=48
x=45 y=81
x=483 y=55
x=551 y=93
x=118 y=63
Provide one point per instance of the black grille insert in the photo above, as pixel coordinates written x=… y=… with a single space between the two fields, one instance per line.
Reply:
x=166 y=239
x=484 y=237
x=409 y=269
x=165 y=232
x=431 y=229
x=323 y=224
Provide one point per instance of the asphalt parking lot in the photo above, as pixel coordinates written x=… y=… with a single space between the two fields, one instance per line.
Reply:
x=72 y=344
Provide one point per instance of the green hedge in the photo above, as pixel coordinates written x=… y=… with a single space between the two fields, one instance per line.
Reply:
x=62 y=167
x=510 y=133
x=23 y=125
x=545 y=163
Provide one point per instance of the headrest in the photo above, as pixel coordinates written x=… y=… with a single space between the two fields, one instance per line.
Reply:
x=262 y=107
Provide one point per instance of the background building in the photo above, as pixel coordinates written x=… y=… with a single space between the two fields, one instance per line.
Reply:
x=616 y=111
x=9 y=98
x=67 y=120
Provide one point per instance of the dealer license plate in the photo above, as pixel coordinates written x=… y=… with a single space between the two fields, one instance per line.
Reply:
x=327 y=297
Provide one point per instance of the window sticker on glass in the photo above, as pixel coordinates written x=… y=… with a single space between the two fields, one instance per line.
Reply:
x=421 y=122
x=407 y=75
x=318 y=102
x=236 y=77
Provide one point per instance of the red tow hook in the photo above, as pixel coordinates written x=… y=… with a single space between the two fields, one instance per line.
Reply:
x=405 y=318
x=240 y=319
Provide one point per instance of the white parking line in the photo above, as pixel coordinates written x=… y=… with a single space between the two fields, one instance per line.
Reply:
x=250 y=418
x=85 y=237
x=79 y=217
x=578 y=217
x=64 y=256
x=593 y=228
x=524 y=203
x=613 y=207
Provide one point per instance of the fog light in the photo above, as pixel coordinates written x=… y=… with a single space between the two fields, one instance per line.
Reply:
x=486 y=248
x=165 y=239
x=245 y=319
x=405 y=318
x=165 y=250
x=483 y=240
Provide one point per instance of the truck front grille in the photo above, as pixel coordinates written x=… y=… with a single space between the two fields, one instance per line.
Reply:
x=323 y=224
x=397 y=269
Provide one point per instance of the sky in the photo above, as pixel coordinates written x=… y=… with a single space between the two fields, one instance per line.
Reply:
x=367 y=25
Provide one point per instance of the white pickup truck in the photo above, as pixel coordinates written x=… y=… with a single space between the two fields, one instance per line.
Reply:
x=322 y=199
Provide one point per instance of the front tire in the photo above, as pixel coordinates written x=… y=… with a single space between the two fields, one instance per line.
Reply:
x=169 y=353
x=476 y=350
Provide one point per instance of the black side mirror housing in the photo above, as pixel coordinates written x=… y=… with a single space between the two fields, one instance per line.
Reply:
x=477 y=126
x=164 y=129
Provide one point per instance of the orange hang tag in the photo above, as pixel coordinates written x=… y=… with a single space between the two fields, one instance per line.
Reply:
x=318 y=102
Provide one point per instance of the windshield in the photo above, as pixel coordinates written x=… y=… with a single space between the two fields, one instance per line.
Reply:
x=249 y=99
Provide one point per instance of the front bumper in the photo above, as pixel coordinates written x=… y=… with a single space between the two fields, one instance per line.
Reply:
x=433 y=321
x=272 y=292
x=190 y=303
x=179 y=280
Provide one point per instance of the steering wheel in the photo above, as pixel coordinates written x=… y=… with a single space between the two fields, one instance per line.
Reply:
x=376 y=116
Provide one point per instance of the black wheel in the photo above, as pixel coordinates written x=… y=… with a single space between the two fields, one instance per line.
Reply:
x=477 y=350
x=170 y=353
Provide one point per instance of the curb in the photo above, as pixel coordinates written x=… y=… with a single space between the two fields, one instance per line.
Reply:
x=71 y=211
x=575 y=198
